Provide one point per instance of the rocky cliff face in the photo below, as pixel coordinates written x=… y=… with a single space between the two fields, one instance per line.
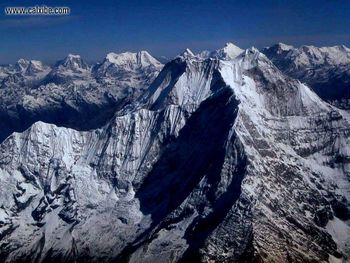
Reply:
x=216 y=161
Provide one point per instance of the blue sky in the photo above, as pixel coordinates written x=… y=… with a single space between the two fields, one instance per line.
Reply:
x=166 y=27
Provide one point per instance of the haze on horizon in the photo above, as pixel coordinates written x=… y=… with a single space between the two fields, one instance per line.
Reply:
x=165 y=28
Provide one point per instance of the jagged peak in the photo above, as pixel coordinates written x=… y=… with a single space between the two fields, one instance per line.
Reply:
x=187 y=53
x=21 y=65
x=74 y=62
x=253 y=57
x=146 y=58
x=72 y=58
x=22 y=61
x=231 y=46
x=229 y=52
x=36 y=66
x=252 y=51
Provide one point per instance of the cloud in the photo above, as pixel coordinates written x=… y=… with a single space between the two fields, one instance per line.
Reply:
x=34 y=21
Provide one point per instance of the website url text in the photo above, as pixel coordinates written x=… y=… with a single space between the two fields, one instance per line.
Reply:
x=37 y=10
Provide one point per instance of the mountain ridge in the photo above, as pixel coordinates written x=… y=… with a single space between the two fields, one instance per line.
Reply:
x=214 y=160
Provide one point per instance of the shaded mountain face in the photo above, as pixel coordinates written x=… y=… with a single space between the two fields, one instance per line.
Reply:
x=215 y=161
x=71 y=93
x=326 y=70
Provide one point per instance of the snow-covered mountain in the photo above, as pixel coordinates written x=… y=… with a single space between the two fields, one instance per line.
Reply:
x=23 y=73
x=72 y=69
x=130 y=69
x=217 y=160
x=71 y=93
x=325 y=69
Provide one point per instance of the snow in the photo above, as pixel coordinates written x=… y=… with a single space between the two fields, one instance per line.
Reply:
x=285 y=47
x=72 y=56
x=121 y=58
x=4 y=217
x=229 y=52
x=186 y=53
x=310 y=56
x=340 y=231
x=93 y=177
x=127 y=59
x=333 y=259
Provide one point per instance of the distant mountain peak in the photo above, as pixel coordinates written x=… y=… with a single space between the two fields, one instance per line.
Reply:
x=73 y=56
x=187 y=53
x=230 y=45
x=73 y=62
x=228 y=52
x=284 y=47
x=36 y=66
x=22 y=61
x=141 y=58
x=22 y=64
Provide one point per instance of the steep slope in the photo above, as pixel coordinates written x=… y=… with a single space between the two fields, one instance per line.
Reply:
x=225 y=161
x=325 y=69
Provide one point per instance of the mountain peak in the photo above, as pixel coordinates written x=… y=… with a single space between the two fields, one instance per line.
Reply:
x=22 y=64
x=147 y=59
x=230 y=45
x=186 y=53
x=228 y=52
x=119 y=58
x=72 y=56
x=36 y=66
x=141 y=58
x=73 y=62
x=22 y=61
x=345 y=48
x=284 y=47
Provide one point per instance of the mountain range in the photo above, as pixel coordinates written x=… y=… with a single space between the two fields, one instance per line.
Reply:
x=223 y=156
x=326 y=70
